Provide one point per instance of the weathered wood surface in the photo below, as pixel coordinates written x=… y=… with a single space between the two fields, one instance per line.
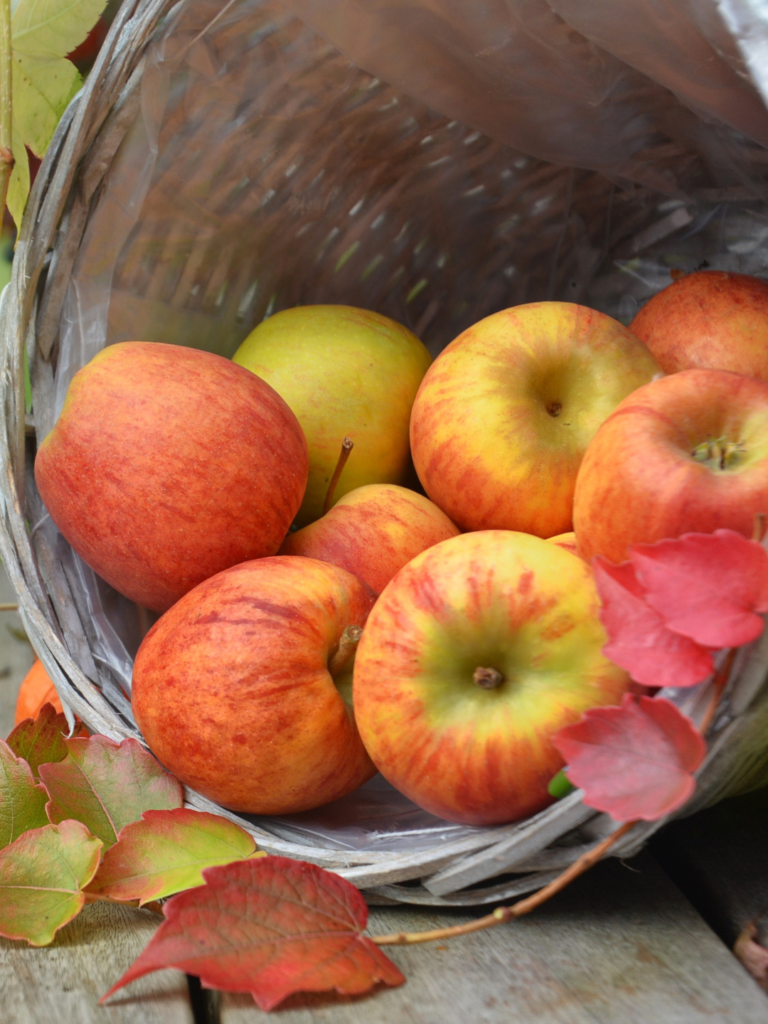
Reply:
x=621 y=946
x=62 y=983
x=719 y=859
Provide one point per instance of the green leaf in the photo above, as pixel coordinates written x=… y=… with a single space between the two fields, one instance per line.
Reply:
x=18 y=186
x=42 y=877
x=52 y=26
x=22 y=800
x=43 y=85
x=40 y=740
x=559 y=786
x=167 y=852
x=107 y=785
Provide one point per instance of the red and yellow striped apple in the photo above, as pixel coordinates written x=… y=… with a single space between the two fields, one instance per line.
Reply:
x=169 y=464
x=684 y=454
x=504 y=414
x=709 y=319
x=474 y=655
x=373 y=532
x=243 y=688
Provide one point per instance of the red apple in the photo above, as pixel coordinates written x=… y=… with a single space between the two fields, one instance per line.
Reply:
x=687 y=453
x=709 y=319
x=373 y=532
x=169 y=464
x=243 y=688
x=475 y=654
x=504 y=414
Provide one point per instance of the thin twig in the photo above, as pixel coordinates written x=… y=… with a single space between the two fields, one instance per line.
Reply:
x=9 y=607
x=718 y=683
x=6 y=124
x=524 y=906
x=346 y=447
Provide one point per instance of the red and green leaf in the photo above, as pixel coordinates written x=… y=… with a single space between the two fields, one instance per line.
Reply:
x=42 y=878
x=40 y=740
x=711 y=587
x=22 y=800
x=270 y=927
x=107 y=785
x=167 y=852
x=633 y=761
x=639 y=639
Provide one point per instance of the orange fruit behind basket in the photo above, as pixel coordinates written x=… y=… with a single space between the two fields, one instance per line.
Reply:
x=36 y=690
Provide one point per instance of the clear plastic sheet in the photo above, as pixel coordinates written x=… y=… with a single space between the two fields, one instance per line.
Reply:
x=435 y=160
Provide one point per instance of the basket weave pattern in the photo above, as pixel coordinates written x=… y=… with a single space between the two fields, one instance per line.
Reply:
x=347 y=194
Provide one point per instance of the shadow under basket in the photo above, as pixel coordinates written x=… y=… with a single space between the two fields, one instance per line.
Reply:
x=223 y=162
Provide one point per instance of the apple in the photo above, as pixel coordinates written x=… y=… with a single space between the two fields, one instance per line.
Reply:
x=686 y=453
x=345 y=372
x=474 y=656
x=169 y=464
x=708 y=319
x=243 y=688
x=503 y=416
x=36 y=690
x=567 y=541
x=373 y=532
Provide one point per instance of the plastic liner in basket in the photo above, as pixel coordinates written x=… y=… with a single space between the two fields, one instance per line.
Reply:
x=431 y=160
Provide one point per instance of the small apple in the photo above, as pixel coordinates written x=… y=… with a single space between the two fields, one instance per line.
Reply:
x=373 y=532
x=503 y=416
x=169 y=464
x=708 y=319
x=477 y=652
x=345 y=372
x=36 y=690
x=243 y=688
x=686 y=453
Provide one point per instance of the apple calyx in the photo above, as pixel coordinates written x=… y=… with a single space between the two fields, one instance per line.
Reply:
x=344 y=651
x=488 y=678
x=554 y=409
x=718 y=453
x=346 y=447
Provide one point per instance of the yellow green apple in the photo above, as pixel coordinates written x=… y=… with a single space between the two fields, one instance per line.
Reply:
x=373 y=532
x=345 y=372
x=505 y=413
x=473 y=657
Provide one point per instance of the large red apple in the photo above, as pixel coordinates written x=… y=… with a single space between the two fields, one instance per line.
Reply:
x=504 y=414
x=708 y=319
x=169 y=464
x=687 y=453
x=475 y=654
x=243 y=688
x=373 y=532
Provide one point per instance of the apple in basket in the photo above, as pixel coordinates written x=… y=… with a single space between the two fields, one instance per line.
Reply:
x=243 y=688
x=504 y=414
x=475 y=654
x=373 y=532
x=686 y=453
x=345 y=372
x=169 y=464
x=708 y=319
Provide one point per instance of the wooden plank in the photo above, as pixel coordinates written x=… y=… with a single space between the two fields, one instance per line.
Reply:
x=719 y=859
x=621 y=946
x=62 y=983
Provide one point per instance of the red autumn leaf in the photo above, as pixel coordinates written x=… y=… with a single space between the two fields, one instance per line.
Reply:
x=633 y=761
x=752 y=955
x=639 y=640
x=107 y=785
x=40 y=740
x=166 y=852
x=270 y=927
x=22 y=800
x=706 y=586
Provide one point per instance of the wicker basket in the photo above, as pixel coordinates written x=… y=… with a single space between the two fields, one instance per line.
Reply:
x=355 y=193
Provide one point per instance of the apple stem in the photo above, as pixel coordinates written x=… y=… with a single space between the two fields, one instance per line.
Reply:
x=488 y=678
x=346 y=447
x=524 y=906
x=345 y=649
x=758 y=529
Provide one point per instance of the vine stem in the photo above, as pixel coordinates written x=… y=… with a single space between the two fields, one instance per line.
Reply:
x=6 y=123
x=524 y=906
